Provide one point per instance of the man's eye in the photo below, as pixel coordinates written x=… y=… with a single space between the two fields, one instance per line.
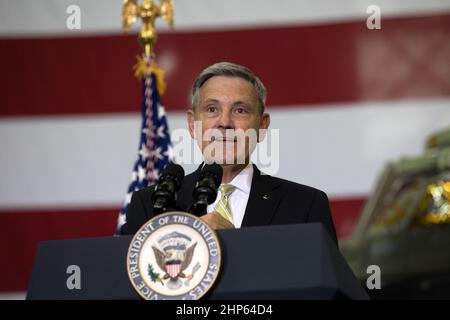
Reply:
x=211 y=109
x=241 y=110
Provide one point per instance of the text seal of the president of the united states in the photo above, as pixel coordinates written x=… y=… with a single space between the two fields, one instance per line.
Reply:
x=174 y=256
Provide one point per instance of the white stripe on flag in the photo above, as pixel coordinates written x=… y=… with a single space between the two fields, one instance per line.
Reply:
x=86 y=161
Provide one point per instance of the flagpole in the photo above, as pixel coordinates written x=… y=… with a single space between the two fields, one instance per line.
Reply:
x=148 y=12
x=155 y=149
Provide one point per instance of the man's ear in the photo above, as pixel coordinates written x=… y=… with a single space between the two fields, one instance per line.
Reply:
x=264 y=125
x=265 y=121
x=191 y=120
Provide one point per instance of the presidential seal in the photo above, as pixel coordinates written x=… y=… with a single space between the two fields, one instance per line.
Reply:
x=174 y=256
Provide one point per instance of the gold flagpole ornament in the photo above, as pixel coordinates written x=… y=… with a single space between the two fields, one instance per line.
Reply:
x=148 y=11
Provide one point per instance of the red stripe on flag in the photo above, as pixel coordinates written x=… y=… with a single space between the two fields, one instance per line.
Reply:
x=300 y=65
x=345 y=214
x=22 y=231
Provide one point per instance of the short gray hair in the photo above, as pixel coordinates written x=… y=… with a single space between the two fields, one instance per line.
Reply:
x=231 y=70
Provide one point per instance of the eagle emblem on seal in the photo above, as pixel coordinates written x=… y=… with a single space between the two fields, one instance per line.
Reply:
x=173 y=254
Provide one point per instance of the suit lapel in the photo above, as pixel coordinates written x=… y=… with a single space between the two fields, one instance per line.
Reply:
x=263 y=200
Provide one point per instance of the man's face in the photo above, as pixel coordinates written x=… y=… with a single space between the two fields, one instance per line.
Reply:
x=230 y=117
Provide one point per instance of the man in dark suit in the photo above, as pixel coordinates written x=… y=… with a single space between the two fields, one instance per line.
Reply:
x=228 y=100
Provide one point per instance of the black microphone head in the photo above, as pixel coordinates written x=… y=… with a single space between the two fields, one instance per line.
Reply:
x=175 y=171
x=164 y=195
x=213 y=170
x=205 y=191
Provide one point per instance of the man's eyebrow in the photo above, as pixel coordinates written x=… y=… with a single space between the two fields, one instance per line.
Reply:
x=236 y=103
x=239 y=102
x=210 y=100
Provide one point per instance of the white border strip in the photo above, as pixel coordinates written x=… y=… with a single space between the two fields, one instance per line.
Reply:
x=24 y=18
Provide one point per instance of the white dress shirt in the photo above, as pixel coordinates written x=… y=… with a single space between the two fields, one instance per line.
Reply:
x=239 y=198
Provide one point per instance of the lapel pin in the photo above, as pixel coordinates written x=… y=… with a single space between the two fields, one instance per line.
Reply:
x=265 y=197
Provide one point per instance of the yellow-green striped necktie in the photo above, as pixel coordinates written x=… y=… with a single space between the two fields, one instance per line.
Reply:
x=223 y=206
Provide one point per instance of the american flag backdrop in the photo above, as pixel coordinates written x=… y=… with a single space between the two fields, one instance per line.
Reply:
x=346 y=100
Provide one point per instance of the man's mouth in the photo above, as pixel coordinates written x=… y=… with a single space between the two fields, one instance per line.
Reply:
x=224 y=139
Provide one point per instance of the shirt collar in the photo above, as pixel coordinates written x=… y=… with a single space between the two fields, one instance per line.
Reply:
x=243 y=181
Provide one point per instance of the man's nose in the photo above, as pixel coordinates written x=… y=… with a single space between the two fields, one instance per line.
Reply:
x=225 y=120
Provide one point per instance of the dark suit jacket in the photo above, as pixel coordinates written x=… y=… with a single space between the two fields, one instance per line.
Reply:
x=272 y=201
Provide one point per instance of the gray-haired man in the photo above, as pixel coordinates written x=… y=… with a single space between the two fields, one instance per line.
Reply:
x=227 y=99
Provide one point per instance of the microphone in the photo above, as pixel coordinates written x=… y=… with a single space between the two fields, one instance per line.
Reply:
x=164 y=195
x=205 y=191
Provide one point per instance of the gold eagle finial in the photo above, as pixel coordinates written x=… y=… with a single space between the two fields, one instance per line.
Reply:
x=148 y=11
